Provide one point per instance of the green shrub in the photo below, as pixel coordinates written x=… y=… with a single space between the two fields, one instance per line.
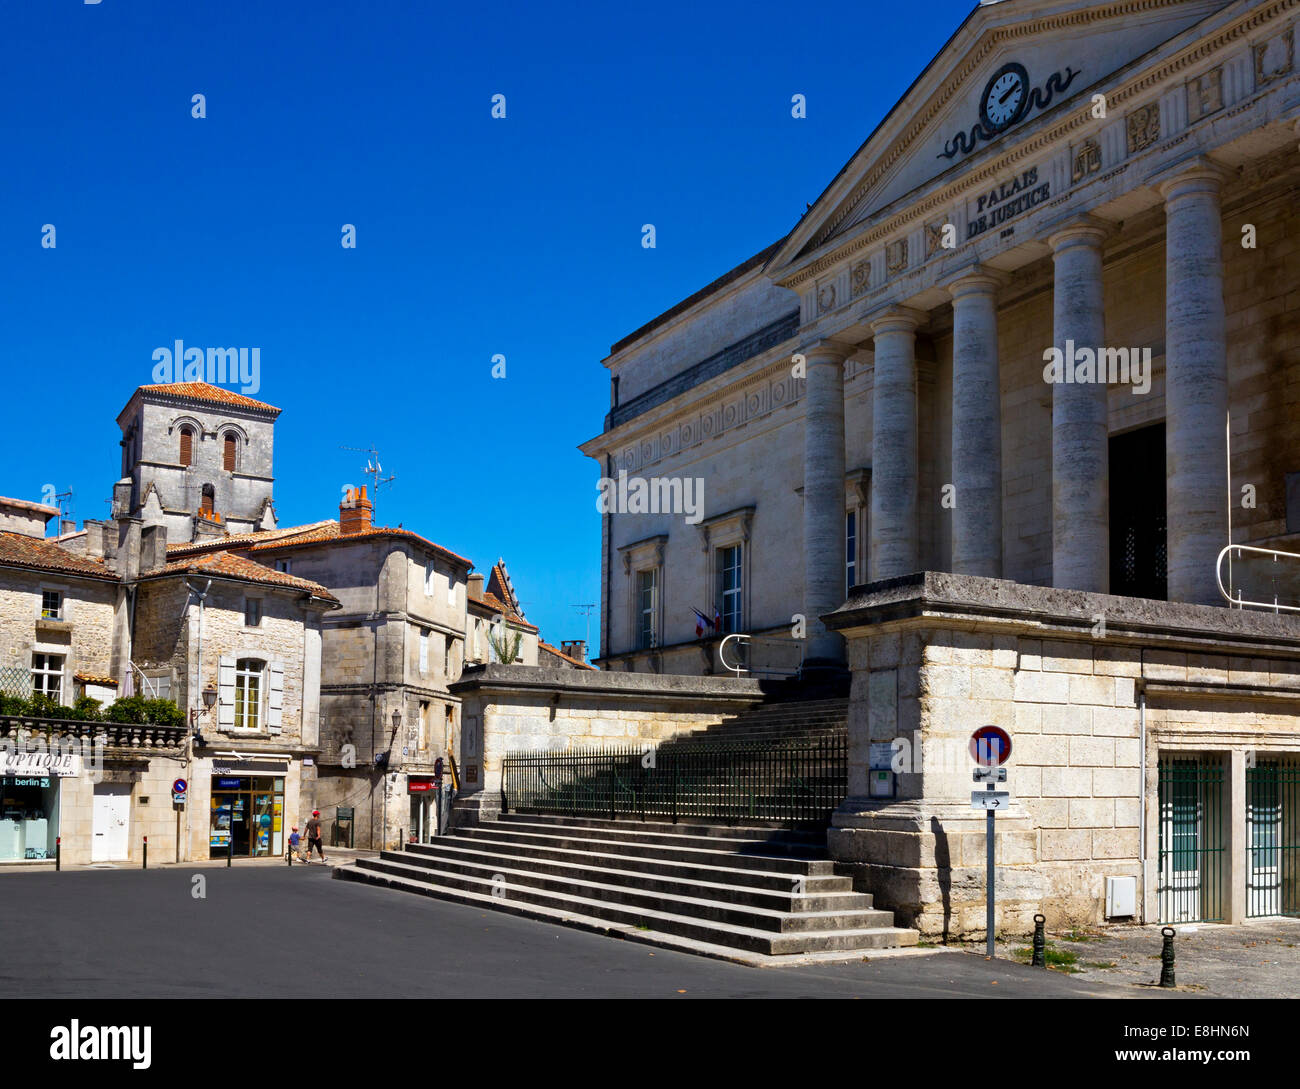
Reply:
x=137 y=710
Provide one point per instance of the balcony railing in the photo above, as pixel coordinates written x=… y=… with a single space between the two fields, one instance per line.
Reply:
x=113 y=735
x=1272 y=583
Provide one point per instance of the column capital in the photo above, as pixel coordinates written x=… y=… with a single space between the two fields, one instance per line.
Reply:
x=1085 y=230
x=1195 y=174
x=826 y=351
x=892 y=318
x=973 y=279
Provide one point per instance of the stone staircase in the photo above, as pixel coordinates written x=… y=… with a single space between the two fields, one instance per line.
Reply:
x=744 y=893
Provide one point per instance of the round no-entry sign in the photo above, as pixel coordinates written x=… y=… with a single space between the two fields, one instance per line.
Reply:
x=990 y=746
x=179 y=786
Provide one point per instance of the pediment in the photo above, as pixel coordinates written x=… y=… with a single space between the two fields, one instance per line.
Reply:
x=1010 y=64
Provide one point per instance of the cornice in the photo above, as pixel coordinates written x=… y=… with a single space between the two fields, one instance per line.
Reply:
x=1053 y=134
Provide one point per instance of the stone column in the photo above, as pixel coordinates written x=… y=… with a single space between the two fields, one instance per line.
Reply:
x=1080 y=432
x=1196 y=383
x=823 y=496
x=894 y=545
x=976 y=426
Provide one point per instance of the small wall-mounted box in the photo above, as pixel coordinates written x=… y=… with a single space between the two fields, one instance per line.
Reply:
x=1121 y=897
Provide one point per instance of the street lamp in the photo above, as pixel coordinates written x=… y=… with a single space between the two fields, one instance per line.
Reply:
x=209 y=698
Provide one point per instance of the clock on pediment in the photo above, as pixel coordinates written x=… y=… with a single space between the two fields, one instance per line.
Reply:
x=1005 y=98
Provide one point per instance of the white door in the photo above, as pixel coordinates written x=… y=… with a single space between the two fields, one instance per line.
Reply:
x=112 y=815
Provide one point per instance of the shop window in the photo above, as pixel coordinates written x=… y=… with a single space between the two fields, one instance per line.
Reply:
x=47 y=676
x=51 y=605
x=247 y=816
x=29 y=817
x=248 y=694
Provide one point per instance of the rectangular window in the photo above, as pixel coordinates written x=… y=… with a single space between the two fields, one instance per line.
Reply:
x=47 y=676
x=446 y=657
x=424 y=725
x=424 y=652
x=647 y=602
x=730 y=589
x=428 y=579
x=248 y=694
x=850 y=550
x=283 y=566
x=51 y=605
x=252 y=612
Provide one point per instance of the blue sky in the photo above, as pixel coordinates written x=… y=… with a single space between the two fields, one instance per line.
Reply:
x=475 y=236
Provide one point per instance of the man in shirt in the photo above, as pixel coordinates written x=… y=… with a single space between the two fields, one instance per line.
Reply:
x=313 y=836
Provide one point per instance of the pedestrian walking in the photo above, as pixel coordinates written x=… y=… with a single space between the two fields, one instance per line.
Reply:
x=313 y=836
x=295 y=845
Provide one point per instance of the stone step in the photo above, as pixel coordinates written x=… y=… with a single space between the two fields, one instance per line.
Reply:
x=788 y=855
x=774 y=832
x=578 y=903
x=736 y=874
x=649 y=886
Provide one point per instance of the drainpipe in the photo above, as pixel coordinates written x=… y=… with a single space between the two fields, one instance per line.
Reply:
x=1142 y=787
x=198 y=658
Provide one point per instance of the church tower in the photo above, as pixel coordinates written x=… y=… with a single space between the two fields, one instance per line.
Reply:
x=198 y=459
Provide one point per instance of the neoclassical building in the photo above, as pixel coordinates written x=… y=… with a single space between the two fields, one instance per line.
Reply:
x=1019 y=374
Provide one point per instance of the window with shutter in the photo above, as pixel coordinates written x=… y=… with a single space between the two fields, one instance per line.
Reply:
x=187 y=446
x=226 y=693
x=228 y=453
x=275 y=696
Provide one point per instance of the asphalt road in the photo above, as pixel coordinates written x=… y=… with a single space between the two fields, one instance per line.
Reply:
x=294 y=933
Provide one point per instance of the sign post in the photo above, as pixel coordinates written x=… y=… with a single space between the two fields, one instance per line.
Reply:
x=990 y=746
x=179 y=787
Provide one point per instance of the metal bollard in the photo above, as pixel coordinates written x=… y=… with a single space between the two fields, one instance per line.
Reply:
x=1167 y=958
x=58 y=851
x=144 y=855
x=1040 y=942
x=230 y=852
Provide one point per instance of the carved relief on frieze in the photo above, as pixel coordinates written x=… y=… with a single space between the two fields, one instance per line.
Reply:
x=1205 y=94
x=1143 y=127
x=1275 y=57
x=896 y=257
x=1087 y=160
x=933 y=238
x=859 y=278
x=825 y=298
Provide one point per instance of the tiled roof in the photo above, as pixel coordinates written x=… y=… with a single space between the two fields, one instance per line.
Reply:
x=28 y=505
x=203 y=391
x=541 y=646
x=235 y=540
x=496 y=606
x=499 y=583
x=232 y=566
x=329 y=533
x=18 y=550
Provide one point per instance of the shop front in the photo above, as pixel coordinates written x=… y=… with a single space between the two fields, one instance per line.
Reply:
x=425 y=792
x=246 y=816
x=30 y=791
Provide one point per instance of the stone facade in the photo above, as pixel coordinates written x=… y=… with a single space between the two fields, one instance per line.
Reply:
x=1094 y=691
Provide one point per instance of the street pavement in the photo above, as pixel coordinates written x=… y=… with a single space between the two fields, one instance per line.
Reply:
x=280 y=932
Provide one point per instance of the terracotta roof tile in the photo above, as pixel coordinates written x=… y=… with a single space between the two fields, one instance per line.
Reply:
x=234 y=540
x=495 y=605
x=328 y=533
x=233 y=566
x=19 y=550
x=204 y=391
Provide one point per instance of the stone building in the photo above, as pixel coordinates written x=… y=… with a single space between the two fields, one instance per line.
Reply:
x=982 y=423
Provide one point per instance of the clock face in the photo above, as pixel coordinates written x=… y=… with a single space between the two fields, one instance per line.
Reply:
x=1005 y=97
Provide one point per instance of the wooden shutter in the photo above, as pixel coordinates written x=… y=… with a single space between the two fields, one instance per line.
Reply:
x=226 y=692
x=187 y=446
x=228 y=454
x=275 y=696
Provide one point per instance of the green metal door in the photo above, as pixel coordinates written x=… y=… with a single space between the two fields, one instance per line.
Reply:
x=1192 y=856
x=1272 y=808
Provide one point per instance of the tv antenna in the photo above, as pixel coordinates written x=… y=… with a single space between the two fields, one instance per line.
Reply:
x=373 y=469
x=586 y=608
x=67 y=513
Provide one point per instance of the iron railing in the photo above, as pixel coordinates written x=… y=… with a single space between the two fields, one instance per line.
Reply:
x=1273 y=835
x=1279 y=581
x=799 y=782
x=1192 y=840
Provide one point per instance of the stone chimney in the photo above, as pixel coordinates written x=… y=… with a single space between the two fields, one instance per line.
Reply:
x=355 y=512
x=153 y=548
x=474 y=587
x=575 y=648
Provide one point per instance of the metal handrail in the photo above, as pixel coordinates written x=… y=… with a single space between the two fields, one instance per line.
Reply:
x=748 y=640
x=1241 y=602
